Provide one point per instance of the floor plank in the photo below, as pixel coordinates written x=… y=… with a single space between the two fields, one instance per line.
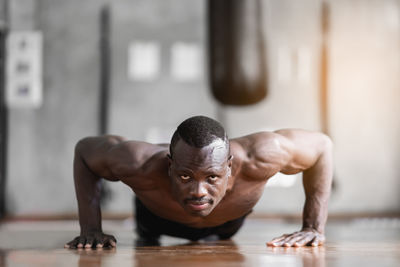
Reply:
x=360 y=242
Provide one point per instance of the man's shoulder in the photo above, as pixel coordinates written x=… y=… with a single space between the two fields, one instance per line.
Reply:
x=131 y=157
x=141 y=147
x=251 y=142
x=259 y=155
x=142 y=152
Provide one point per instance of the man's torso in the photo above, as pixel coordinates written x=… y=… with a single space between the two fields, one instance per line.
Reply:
x=242 y=194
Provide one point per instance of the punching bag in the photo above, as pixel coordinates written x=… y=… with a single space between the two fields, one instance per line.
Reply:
x=236 y=51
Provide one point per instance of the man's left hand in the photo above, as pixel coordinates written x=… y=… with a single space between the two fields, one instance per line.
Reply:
x=305 y=237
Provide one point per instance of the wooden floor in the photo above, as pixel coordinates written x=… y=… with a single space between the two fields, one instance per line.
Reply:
x=359 y=242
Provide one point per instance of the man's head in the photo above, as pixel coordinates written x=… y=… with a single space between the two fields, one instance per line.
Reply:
x=200 y=164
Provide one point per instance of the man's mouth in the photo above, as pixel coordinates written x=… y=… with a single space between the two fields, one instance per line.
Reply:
x=198 y=205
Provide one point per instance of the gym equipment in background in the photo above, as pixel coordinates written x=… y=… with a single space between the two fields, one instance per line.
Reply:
x=236 y=52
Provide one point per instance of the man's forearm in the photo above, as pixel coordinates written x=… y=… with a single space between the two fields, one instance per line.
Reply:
x=87 y=188
x=317 y=183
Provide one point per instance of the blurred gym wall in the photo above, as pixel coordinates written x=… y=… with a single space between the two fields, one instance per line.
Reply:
x=159 y=78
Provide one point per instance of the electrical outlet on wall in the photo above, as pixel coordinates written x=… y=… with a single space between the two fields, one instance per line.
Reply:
x=24 y=69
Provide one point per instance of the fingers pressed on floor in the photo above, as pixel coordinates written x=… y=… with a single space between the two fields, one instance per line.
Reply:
x=81 y=242
x=72 y=243
x=277 y=239
x=89 y=242
x=113 y=239
x=109 y=241
x=303 y=241
x=279 y=243
x=290 y=241
x=317 y=242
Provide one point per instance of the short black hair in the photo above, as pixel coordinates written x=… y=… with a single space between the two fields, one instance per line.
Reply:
x=199 y=131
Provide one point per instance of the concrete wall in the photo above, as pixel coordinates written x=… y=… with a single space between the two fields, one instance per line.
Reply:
x=365 y=67
x=363 y=92
x=42 y=140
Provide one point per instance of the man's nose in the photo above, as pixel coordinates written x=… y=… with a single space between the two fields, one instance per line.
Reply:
x=199 y=190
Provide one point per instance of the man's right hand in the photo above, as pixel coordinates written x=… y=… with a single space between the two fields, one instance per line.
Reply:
x=92 y=240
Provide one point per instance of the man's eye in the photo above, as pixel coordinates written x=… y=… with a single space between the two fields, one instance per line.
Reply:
x=213 y=177
x=185 y=177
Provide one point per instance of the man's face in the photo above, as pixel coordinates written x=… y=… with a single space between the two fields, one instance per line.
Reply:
x=199 y=176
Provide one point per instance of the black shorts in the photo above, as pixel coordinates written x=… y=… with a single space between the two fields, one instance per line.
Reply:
x=150 y=226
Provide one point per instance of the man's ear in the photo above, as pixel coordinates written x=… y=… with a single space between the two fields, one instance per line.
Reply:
x=230 y=165
x=230 y=159
x=169 y=157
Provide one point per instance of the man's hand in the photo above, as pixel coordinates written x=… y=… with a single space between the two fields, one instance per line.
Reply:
x=92 y=240
x=305 y=237
x=311 y=153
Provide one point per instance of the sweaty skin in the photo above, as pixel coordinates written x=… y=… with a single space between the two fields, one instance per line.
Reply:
x=204 y=187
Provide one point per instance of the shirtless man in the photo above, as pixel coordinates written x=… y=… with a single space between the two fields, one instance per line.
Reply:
x=202 y=184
